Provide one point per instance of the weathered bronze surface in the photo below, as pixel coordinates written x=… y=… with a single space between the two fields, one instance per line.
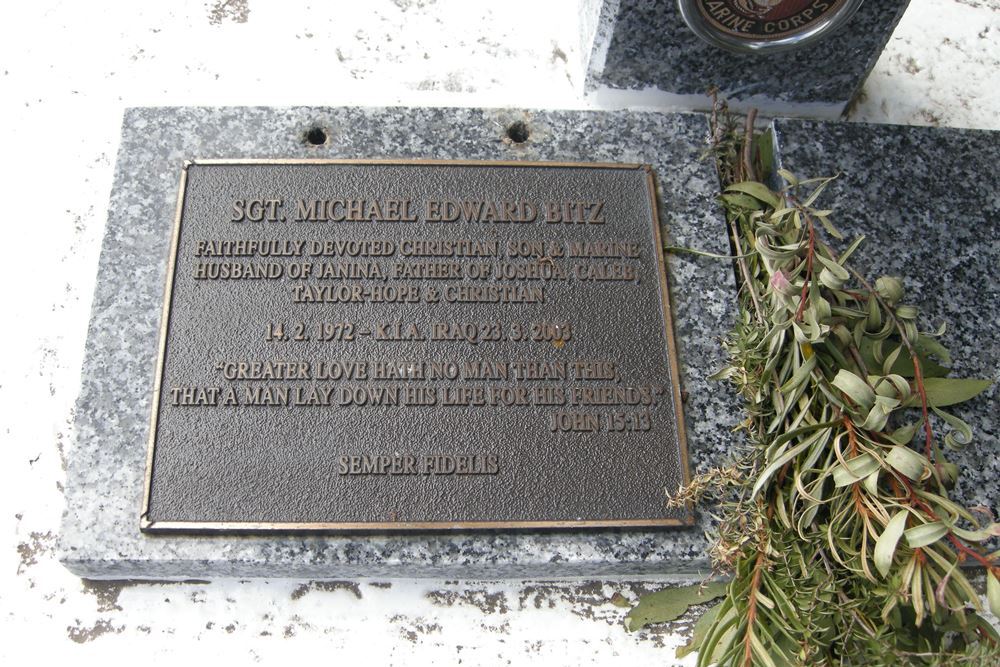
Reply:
x=358 y=345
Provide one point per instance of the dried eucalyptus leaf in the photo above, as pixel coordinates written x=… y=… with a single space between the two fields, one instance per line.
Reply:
x=924 y=534
x=855 y=470
x=828 y=226
x=723 y=373
x=926 y=345
x=874 y=322
x=834 y=267
x=775 y=465
x=942 y=392
x=993 y=592
x=890 y=289
x=981 y=535
x=800 y=375
x=851 y=248
x=871 y=483
x=904 y=434
x=830 y=279
x=670 y=603
x=742 y=201
x=856 y=389
x=789 y=177
x=814 y=195
x=890 y=360
x=885 y=546
x=907 y=461
x=705 y=621
x=961 y=433
x=878 y=416
x=758 y=191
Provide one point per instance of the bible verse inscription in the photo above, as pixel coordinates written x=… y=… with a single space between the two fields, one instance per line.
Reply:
x=414 y=345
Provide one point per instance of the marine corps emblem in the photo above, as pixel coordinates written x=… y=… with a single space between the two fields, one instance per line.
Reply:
x=765 y=25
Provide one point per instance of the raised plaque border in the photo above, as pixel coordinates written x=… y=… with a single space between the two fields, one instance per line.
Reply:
x=226 y=527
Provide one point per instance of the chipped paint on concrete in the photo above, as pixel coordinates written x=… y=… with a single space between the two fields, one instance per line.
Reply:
x=237 y=11
x=352 y=587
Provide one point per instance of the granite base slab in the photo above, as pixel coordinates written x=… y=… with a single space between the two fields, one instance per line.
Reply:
x=924 y=197
x=643 y=53
x=106 y=463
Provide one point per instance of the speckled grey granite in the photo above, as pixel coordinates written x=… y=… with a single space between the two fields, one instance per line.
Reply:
x=928 y=202
x=603 y=31
x=100 y=536
x=651 y=46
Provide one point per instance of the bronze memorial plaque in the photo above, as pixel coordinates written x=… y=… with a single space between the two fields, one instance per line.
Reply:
x=414 y=345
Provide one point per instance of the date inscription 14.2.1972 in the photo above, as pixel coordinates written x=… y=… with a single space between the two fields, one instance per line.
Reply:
x=357 y=345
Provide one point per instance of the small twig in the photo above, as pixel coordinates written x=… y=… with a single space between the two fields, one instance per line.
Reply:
x=808 y=277
x=758 y=310
x=748 y=170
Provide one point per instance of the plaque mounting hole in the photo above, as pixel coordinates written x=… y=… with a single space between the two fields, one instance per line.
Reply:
x=518 y=132
x=316 y=136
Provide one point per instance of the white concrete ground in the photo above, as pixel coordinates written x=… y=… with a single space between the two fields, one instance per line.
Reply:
x=67 y=69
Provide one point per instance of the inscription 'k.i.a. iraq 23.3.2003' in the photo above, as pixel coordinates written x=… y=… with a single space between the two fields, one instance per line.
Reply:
x=353 y=345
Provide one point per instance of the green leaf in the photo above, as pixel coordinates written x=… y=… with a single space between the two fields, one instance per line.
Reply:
x=758 y=191
x=904 y=434
x=700 y=630
x=723 y=373
x=670 y=603
x=857 y=469
x=829 y=279
x=924 y=534
x=758 y=650
x=742 y=201
x=850 y=249
x=878 y=416
x=871 y=483
x=993 y=592
x=907 y=461
x=981 y=535
x=800 y=374
x=836 y=268
x=788 y=176
x=927 y=345
x=949 y=391
x=928 y=367
x=830 y=229
x=885 y=546
x=775 y=465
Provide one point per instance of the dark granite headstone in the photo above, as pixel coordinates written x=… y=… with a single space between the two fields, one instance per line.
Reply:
x=644 y=46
